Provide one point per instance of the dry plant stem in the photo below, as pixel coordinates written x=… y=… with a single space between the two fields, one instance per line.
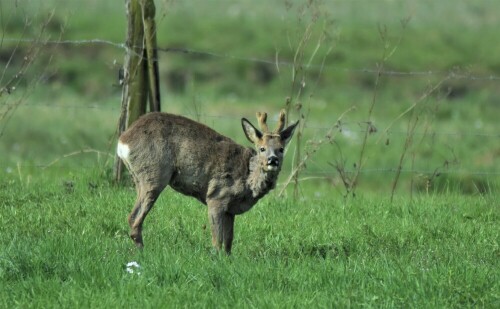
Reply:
x=340 y=168
x=298 y=84
x=30 y=54
x=298 y=66
x=412 y=180
x=386 y=54
x=296 y=69
x=78 y=152
x=297 y=157
x=409 y=139
x=329 y=137
x=20 y=175
x=409 y=109
x=412 y=124
x=28 y=60
x=26 y=63
x=303 y=116
x=3 y=24
x=354 y=181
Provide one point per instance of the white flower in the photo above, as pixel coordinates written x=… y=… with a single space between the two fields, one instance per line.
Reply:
x=133 y=268
x=133 y=264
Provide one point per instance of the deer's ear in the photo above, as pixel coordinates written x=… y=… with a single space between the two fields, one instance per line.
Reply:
x=251 y=132
x=287 y=134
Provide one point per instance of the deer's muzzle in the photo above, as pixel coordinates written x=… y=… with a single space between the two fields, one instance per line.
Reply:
x=273 y=161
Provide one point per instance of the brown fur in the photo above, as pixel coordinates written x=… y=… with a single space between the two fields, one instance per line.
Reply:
x=166 y=149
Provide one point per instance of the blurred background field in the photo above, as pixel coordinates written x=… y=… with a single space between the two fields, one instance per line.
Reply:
x=223 y=60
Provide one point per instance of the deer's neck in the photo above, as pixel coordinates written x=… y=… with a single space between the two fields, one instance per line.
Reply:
x=259 y=181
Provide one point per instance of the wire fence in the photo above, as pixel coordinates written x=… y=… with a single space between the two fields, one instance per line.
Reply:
x=452 y=74
x=105 y=159
x=307 y=174
x=350 y=126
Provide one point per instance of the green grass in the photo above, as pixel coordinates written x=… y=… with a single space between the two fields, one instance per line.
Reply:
x=65 y=244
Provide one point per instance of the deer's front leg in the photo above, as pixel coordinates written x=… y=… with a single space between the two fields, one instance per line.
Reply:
x=222 y=226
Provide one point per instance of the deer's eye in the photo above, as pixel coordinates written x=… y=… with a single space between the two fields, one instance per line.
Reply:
x=262 y=149
x=281 y=149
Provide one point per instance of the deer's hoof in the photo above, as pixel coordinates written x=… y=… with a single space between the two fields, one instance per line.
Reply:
x=137 y=241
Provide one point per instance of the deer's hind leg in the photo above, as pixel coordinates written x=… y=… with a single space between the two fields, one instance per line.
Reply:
x=137 y=205
x=144 y=203
x=147 y=194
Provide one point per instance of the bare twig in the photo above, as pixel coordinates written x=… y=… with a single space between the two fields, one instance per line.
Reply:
x=12 y=84
x=386 y=54
x=410 y=134
x=316 y=145
x=299 y=77
x=75 y=153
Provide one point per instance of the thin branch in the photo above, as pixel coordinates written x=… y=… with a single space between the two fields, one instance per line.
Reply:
x=75 y=153
x=329 y=136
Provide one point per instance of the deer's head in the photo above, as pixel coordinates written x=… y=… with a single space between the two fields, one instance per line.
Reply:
x=270 y=146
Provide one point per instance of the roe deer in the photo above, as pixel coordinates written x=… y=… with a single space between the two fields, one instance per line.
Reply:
x=162 y=149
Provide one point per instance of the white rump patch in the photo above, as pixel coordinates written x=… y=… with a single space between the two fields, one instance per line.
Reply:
x=122 y=151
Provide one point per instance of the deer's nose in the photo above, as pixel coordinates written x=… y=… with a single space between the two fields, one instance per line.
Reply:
x=273 y=160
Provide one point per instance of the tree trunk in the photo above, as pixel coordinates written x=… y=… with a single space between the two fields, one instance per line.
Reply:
x=140 y=70
x=148 y=13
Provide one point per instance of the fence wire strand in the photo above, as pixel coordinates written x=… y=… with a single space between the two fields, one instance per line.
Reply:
x=451 y=74
x=347 y=127
x=306 y=173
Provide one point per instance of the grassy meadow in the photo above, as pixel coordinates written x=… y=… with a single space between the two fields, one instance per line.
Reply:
x=69 y=247
x=421 y=77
